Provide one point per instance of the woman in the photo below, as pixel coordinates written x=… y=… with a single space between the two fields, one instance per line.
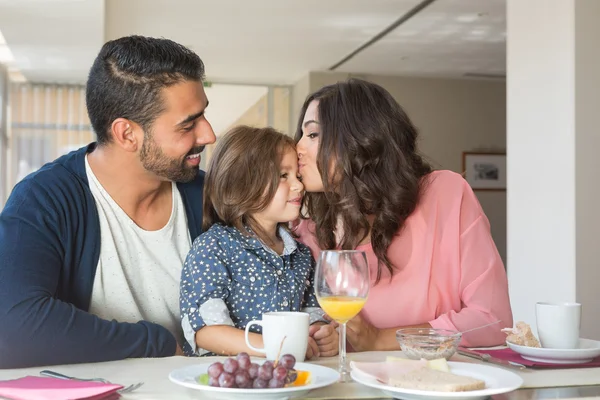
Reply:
x=432 y=258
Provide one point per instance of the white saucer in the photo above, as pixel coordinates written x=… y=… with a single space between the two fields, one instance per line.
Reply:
x=587 y=351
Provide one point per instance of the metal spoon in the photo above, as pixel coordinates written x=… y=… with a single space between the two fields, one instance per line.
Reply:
x=482 y=326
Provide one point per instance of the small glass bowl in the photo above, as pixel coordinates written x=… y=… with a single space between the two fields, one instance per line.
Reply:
x=430 y=344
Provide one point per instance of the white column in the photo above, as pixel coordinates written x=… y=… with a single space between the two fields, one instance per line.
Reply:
x=553 y=143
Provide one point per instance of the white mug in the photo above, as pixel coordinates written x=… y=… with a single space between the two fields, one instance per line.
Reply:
x=293 y=326
x=558 y=324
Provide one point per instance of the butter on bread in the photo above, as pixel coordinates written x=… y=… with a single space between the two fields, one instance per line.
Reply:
x=437 y=381
x=521 y=335
x=439 y=363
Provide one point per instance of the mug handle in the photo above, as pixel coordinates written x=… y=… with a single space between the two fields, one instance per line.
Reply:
x=247 y=331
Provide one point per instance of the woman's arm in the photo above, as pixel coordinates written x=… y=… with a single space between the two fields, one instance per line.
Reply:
x=365 y=337
x=386 y=340
x=484 y=290
x=483 y=283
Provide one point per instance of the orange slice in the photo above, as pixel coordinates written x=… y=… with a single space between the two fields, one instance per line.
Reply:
x=304 y=378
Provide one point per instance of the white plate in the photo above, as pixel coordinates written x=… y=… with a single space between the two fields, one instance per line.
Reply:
x=497 y=380
x=321 y=377
x=587 y=351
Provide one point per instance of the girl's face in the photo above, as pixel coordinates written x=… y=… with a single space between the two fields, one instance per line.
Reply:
x=308 y=148
x=285 y=205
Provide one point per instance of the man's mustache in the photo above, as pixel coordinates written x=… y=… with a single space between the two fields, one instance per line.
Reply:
x=195 y=151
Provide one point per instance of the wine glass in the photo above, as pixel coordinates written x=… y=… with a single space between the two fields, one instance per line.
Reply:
x=342 y=287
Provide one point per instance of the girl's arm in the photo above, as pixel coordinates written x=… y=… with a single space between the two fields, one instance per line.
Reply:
x=226 y=340
x=205 y=285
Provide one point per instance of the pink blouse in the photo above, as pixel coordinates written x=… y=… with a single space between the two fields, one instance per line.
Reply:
x=448 y=270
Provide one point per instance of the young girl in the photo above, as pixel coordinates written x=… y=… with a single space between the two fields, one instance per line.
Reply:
x=246 y=262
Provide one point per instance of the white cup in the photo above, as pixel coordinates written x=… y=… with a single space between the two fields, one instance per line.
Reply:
x=293 y=326
x=558 y=324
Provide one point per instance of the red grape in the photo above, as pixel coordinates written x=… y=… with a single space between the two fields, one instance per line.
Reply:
x=275 y=383
x=213 y=382
x=226 y=380
x=265 y=372
x=288 y=361
x=215 y=370
x=260 y=384
x=243 y=360
x=241 y=372
x=280 y=373
x=242 y=379
x=253 y=370
x=230 y=365
x=292 y=376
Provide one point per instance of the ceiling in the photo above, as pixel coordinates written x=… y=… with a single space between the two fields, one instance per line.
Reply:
x=53 y=40
x=264 y=41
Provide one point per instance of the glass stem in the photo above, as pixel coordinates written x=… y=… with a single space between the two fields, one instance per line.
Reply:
x=343 y=368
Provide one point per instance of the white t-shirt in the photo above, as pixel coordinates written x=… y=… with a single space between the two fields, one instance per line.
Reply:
x=138 y=272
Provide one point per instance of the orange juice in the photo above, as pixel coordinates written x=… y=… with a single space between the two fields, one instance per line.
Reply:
x=341 y=308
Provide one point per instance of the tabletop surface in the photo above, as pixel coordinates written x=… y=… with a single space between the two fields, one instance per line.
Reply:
x=154 y=372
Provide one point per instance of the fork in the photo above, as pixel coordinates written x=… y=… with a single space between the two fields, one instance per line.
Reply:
x=126 y=389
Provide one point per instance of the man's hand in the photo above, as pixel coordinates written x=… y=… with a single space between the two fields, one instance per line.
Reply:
x=326 y=337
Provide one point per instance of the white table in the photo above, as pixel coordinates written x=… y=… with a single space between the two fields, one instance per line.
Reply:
x=154 y=373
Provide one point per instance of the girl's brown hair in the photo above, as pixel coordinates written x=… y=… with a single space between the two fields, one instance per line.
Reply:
x=243 y=176
x=376 y=167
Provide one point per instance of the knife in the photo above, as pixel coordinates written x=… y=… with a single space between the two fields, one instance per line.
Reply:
x=490 y=359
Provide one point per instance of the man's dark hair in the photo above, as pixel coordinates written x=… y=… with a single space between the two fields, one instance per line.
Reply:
x=127 y=77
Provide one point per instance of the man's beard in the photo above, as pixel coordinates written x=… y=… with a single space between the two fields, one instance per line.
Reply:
x=154 y=160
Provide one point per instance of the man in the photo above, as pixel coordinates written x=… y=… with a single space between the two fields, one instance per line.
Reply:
x=92 y=244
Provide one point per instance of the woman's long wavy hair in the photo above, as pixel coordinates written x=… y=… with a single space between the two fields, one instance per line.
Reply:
x=369 y=166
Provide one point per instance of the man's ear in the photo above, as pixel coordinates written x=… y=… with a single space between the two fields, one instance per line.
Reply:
x=125 y=134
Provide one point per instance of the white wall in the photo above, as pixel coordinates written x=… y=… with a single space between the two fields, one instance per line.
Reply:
x=228 y=102
x=553 y=96
x=587 y=164
x=300 y=92
x=452 y=116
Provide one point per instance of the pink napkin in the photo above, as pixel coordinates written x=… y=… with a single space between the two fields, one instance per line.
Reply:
x=42 y=388
x=510 y=355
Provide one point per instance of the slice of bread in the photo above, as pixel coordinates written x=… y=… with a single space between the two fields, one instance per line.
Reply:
x=521 y=335
x=436 y=381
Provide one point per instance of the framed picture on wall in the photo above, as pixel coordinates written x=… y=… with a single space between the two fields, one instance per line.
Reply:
x=485 y=171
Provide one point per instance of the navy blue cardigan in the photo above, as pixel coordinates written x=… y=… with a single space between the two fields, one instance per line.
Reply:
x=49 y=251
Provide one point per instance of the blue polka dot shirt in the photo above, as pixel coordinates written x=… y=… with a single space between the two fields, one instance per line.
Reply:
x=230 y=279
